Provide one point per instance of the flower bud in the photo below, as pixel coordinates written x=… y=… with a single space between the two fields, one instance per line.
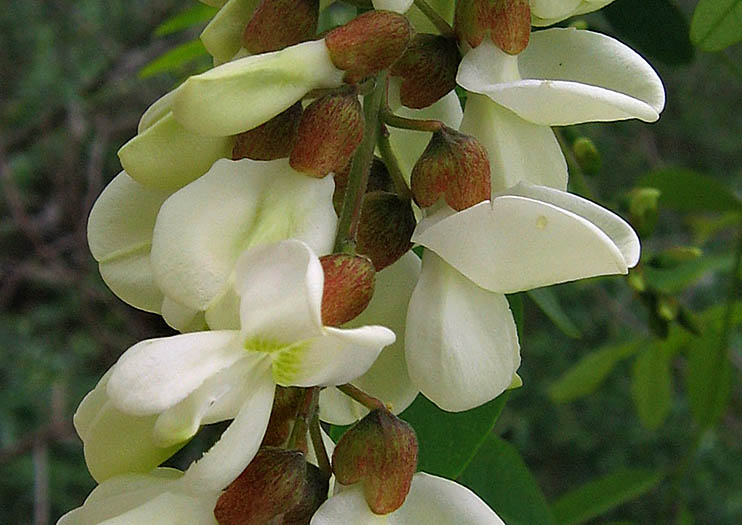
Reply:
x=273 y=140
x=508 y=23
x=380 y=451
x=428 y=70
x=378 y=180
x=385 y=228
x=349 y=286
x=313 y=495
x=271 y=484
x=587 y=155
x=277 y=24
x=285 y=405
x=368 y=43
x=675 y=256
x=453 y=165
x=643 y=209
x=329 y=132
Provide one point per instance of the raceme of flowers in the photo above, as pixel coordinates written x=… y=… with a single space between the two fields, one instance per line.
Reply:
x=268 y=208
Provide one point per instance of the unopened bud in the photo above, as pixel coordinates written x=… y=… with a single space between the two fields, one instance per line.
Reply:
x=285 y=405
x=273 y=140
x=507 y=22
x=271 y=484
x=277 y=24
x=643 y=209
x=385 y=228
x=455 y=166
x=313 y=495
x=428 y=70
x=636 y=281
x=587 y=155
x=380 y=451
x=349 y=286
x=675 y=256
x=368 y=43
x=667 y=308
x=330 y=130
x=378 y=180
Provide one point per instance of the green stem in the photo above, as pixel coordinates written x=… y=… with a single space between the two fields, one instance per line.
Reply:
x=392 y=166
x=437 y=20
x=362 y=397
x=306 y=411
x=323 y=460
x=358 y=177
x=395 y=121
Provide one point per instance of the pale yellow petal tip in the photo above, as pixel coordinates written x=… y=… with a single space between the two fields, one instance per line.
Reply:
x=516 y=383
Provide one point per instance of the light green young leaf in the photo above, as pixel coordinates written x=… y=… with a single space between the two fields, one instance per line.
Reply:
x=449 y=440
x=548 y=302
x=174 y=59
x=590 y=371
x=190 y=17
x=709 y=377
x=498 y=475
x=686 y=190
x=716 y=24
x=651 y=385
x=603 y=494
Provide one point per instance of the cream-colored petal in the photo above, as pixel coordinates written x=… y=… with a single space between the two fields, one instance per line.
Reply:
x=518 y=243
x=461 y=342
x=203 y=228
x=388 y=378
x=156 y=374
x=170 y=508
x=540 y=8
x=167 y=156
x=120 y=236
x=222 y=37
x=182 y=318
x=242 y=94
x=518 y=150
x=398 y=6
x=280 y=286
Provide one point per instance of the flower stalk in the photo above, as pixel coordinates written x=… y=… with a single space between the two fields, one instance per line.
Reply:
x=392 y=166
x=437 y=20
x=362 y=397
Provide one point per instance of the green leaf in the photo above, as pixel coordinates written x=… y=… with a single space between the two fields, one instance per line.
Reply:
x=657 y=28
x=709 y=376
x=590 y=372
x=174 y=59
x=651 y=386
x=449 y=440
x=548 y=302
x=716 y=24
x=603 y=494
x=686 y=190
x=677 y=279
x=195 y=15
x=498 y=475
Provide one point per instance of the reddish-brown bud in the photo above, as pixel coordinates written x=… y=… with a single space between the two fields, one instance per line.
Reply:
x=285 y=405
x=277 y=24
x=454 y=165
x=428 y=69
x=313 y=495
x=385 y=228
x=368 y=43
x=349 y=286
x=507 y=22
x=381 y=452
x=378 y=180
x=329 y=132
x=271 y=484
x=273 y=140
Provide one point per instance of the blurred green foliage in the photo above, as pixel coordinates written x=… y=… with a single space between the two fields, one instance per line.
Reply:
x=631 y=405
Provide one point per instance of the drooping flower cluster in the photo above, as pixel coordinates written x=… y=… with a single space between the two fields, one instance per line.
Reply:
x=254 y=215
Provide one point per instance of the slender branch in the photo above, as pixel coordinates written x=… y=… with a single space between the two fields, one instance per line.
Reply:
x=323 y=460
x=392 y=166
x=437 y=20
x=306 y=411
x=395 y=121
x=358 y=177
x=362 y=397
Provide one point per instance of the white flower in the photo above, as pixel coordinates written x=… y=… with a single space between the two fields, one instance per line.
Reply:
x=431 y=501
x=175 y=253
x=461 y=343
x=398 y=6
x=162 y=390
x=547 y=12
x=133 y=499
x=563 y=77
